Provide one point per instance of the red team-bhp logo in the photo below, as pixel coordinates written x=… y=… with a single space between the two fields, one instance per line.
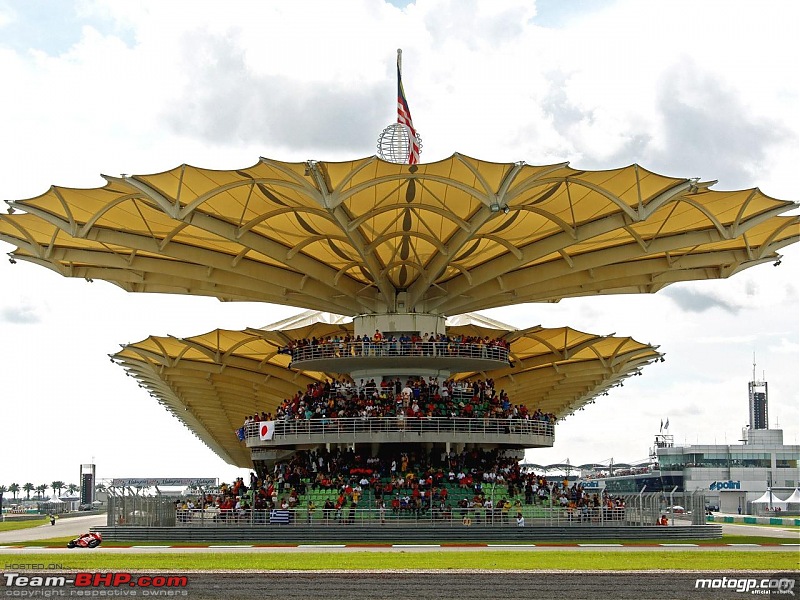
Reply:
x=90 y=584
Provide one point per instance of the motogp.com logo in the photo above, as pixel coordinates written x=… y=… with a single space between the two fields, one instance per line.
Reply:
x=783 y=585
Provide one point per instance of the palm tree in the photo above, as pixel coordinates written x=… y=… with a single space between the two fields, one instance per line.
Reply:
x=28 y=487
x=14 y=489
x=57 y=487
x=3 y=490
x=72 y=488
x=41 y=489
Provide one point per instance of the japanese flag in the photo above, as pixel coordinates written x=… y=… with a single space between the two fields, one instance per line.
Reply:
x=266 y=430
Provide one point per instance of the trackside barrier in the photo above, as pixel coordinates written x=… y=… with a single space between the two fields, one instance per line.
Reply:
x=420 y=533
x=139 y=507
x=352 y=523
x=786 y=521
x=135 y=508
x=647 y=508
x=142 y=509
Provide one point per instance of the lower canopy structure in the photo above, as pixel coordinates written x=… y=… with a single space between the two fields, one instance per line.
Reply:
x=211 y=382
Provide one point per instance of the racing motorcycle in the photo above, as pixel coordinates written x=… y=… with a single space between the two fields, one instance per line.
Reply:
x=86 y=540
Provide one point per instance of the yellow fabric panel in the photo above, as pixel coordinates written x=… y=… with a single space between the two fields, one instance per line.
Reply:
x=373 y=228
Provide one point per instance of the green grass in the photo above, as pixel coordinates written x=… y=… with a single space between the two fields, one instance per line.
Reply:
x=415 y=561
x=13 y=524
x=54 y=542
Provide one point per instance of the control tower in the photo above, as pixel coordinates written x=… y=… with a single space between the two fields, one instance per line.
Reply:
x=758 y=402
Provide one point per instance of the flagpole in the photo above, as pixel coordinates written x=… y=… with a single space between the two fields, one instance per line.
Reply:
x=404 y=115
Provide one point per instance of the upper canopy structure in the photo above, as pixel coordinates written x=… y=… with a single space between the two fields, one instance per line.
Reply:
x=368 y=236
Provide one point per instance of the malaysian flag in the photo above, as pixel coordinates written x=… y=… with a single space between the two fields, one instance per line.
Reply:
x=404 y=117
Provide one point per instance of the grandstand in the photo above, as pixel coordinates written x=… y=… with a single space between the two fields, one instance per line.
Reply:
x=386 y=257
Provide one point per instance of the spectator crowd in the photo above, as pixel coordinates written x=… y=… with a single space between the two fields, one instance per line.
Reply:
x=489 y=485
x=416 y=398
x=404 y=344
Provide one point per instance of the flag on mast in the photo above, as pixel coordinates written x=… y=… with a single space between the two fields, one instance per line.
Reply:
x=404 y=116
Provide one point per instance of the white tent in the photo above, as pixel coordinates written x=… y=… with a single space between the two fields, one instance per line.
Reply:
x=771 y=500
x=794 y=498
x=54 y=505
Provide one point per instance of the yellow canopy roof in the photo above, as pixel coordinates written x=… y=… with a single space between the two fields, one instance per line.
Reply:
x=211 y=382
x=361 y=236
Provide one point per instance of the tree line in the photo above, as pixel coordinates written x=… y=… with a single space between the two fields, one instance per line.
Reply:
x=16 y=489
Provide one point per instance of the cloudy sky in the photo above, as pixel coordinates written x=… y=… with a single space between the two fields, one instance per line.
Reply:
x=685 y=89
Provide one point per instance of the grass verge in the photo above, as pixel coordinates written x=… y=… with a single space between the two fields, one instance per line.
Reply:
x=13 y=525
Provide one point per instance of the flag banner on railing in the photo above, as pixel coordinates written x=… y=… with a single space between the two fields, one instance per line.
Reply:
x=279 y=517
x=165 y=482
x=266 y=430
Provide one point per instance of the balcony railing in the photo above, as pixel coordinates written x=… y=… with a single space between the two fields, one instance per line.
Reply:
x=375 y=426
x=351 y=350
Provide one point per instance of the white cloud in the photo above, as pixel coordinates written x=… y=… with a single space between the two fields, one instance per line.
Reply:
x=7 y=15
x=19 y=314
x=785 y=346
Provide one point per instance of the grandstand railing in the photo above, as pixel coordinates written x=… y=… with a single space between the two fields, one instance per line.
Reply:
x=305 y=428
x=397 y=349
x=406 y=517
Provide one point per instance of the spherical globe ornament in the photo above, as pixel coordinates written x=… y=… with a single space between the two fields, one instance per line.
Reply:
x=394 y=143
